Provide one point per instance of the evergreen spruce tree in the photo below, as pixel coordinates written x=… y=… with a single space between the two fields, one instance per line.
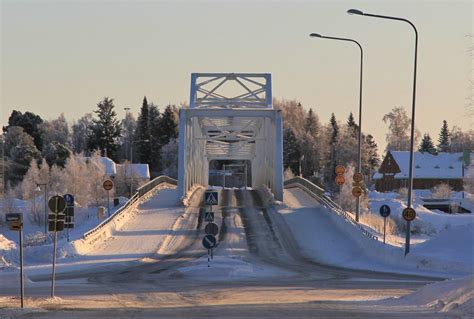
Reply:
x=105 y=131
x=373 y=158
x=332 y=158
x=352 y=126
x=154 y=124
x=168 y=126
x=311 y=124
x=426 y=144
x=443 y=139
x=291 y=151
x=143 y=137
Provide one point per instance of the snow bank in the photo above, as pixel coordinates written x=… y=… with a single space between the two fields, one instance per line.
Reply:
x=455 y=296
x=7 y=248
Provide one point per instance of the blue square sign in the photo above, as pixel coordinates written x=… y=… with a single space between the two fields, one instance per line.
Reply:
x=211 y=198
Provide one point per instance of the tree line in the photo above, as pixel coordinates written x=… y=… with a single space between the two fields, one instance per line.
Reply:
x=28 y=137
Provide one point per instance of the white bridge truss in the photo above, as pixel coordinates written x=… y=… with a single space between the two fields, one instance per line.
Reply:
x=231 y=117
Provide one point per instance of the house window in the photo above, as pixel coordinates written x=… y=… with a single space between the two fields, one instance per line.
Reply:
x=417 y=166
x=437 y=166
x=451 y=167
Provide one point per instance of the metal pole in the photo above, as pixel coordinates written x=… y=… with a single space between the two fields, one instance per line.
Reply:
x=384 y=228
x=22 y=284
x=223 y=186
x=54 y=258
x=131 y=174
x=108 y=204
x=45 y=209
x=359 y=142
x=412 y=132
x=245 y=172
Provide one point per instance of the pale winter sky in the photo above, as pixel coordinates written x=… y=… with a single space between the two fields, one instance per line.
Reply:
x=65 y=56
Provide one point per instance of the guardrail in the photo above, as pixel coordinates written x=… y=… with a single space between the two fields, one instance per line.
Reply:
x=118 y=215
x=318 y=194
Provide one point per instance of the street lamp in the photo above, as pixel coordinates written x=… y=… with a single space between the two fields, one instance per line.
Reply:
x=412 y=133
x=131 y=163
x=38 y=189
x=359 y=146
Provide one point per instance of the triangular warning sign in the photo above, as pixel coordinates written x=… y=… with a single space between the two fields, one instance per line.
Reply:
x=211 y=198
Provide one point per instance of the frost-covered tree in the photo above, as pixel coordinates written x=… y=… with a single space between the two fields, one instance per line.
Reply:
x=461 y=141
x=293 y=115
x=312 y=125
x=345 y=196
x=20 y=150
x=399 y=126
x=129 y=125
x=441 y=191
x=105 y=130
x=426 y=144
x=81 y=132
x=169 y=158
x=56 y=153
x=30 y=123
x=57 y=131
x=443 y=139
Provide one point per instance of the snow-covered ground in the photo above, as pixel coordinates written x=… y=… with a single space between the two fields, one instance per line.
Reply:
x=138 y=238
x=329 y=239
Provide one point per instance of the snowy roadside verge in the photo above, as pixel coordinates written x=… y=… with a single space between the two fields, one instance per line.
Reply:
x=330 y=240
x=455 y=296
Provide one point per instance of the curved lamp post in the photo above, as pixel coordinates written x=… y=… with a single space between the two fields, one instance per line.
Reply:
x=359 y=162
x=412 y=133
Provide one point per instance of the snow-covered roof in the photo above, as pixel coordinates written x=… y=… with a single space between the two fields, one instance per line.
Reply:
x=139 y=170
x=110 y=166
x=428 y=166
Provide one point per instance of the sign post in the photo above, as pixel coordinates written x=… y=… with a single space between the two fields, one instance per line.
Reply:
x=57 y=205
x=108 y=185
x=384 y=212
x=15 y=223
x=69 y=222
x=211 y=229
x=409 y=214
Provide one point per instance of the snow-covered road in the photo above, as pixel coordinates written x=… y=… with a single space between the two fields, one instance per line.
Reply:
x=261 y=269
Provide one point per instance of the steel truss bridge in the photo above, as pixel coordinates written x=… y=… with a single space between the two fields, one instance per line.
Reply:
x=230 y=117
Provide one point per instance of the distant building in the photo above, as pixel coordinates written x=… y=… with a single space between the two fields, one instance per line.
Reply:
x=429 y=170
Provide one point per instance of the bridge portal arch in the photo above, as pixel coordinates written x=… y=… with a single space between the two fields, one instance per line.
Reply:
x=230 y=117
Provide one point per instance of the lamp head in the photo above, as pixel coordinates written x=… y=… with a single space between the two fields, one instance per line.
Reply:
x=315 y=35
x=355 y=11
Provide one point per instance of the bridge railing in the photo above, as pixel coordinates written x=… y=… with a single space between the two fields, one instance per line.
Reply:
x=319 y=195
x=101 y=230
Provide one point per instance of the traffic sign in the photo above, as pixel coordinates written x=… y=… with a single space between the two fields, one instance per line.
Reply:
x=13 y=217
x=384 y=210
x=340 y=170
x=409 y=214
x=15 y=226
x=209 y=241
x=57 y=204
x=340 y=180
x=69 y=199
x=209 y=216
x=211 y=198
x=358 y=177
x=108 y=184
x=357 y=191
x=211 y=229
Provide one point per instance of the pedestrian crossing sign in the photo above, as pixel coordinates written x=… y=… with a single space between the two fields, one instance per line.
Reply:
x=211 y=198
